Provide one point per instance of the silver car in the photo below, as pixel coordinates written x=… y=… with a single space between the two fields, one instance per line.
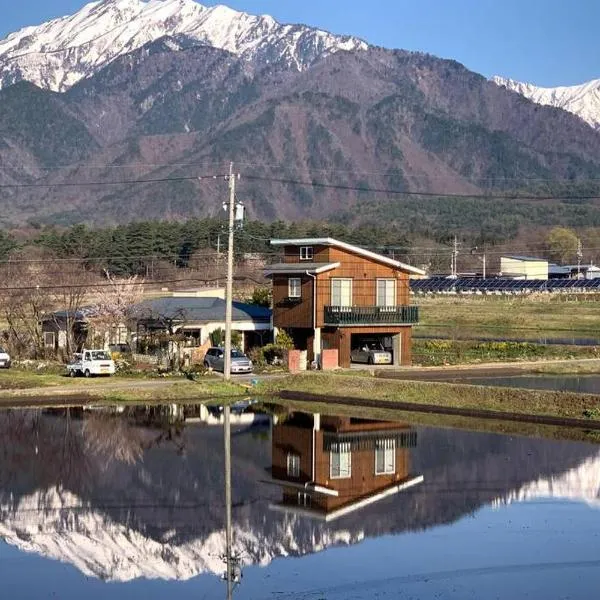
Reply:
x=215 y=359
x=372 y=353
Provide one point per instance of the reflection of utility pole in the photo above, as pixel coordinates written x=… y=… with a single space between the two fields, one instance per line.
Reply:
x=228 y=532
x=579 y=257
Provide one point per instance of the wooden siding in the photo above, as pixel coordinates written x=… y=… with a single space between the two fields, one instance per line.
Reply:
x=291 y=439
x=364 y=273
x=291 y=254
x=362 y=483
x=292 y=313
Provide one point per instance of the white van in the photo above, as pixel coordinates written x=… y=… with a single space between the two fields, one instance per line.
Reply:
x=91 y=362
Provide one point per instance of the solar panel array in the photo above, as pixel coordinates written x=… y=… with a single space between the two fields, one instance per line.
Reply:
x=470 y=285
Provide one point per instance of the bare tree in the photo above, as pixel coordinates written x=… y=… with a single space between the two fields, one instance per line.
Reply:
x=24 y=300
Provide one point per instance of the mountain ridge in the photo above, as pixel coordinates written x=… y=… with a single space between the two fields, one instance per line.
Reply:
x=57 y=54
x=582 y=100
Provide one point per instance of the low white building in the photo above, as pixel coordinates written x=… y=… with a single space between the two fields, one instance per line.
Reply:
x=523 y=267
x=196 y=317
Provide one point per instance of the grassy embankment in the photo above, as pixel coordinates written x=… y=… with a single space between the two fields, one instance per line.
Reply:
x=21 y=384
x=502 y=399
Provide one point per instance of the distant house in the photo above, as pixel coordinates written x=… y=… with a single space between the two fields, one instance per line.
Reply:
x=588 y=271
x=330 y=466
x=55 y=327
x=191 y=314
x=523 y=267
x=195 y=318
x=330 y=294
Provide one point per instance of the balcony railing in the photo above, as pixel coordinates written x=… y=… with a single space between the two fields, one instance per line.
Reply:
x=371 y=315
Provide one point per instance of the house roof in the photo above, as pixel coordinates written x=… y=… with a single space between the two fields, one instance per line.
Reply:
x=348 y=508
x=76 y=315
x=198 y=309
x=350 y=248
x=524 y=258
x=299 y=268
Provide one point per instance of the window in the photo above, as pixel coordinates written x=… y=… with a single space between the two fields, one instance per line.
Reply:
x=385 y=457
x=49 y=339
x=306 y=253
x=386 y=292
x=341 y=292
x=304 y=499
x=294 y=287
x=293 y=465
x=340 y=461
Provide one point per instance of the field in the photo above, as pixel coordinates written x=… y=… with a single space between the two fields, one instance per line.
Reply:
x=529 y=317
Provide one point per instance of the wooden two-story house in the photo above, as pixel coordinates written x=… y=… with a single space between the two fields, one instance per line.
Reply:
x=329 y=466
x=330 y=294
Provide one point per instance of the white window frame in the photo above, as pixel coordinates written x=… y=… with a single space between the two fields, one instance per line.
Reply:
x=49 y=335
x=388 y=447
x=304 y=499
x=342 y=279
x=294 y=287
x=341 y=449
x=383 y=302
x=306 y=253
x=293 y=465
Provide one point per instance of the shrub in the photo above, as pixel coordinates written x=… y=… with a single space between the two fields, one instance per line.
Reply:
x=271 y=354
x=284 y=340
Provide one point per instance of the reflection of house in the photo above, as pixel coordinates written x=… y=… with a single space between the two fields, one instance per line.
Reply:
x=329 y=294
x=195 y=318
x=330 y=466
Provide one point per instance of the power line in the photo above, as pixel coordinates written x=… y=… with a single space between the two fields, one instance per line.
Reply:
x=392 y=192
x=70 y=184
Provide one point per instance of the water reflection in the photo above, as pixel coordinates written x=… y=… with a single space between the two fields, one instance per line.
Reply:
x=140 y=494
x=329 y=467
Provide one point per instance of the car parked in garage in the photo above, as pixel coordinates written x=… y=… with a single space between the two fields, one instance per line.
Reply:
x=372 y=353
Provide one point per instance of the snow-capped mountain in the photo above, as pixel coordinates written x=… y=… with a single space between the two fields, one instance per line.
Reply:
x=581 y=100
x=61 y=52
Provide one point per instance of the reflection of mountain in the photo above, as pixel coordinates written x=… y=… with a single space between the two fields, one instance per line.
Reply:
x=120 y=501
x=582 y=483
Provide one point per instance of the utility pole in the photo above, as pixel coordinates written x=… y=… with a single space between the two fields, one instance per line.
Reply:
x=579 y=257
x=229 y=287
x=227 y=376
x=484 y=261
x=454 y=257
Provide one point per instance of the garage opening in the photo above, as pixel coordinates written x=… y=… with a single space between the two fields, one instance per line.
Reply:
x=373 y=349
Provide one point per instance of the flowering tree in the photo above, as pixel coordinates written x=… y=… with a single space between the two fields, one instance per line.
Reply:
x=109 y=312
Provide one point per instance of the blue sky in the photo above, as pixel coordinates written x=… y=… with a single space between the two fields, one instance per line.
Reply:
x=546 y=42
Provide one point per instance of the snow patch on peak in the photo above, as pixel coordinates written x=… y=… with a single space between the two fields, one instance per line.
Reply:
x=581 y=100
x=61 y=52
